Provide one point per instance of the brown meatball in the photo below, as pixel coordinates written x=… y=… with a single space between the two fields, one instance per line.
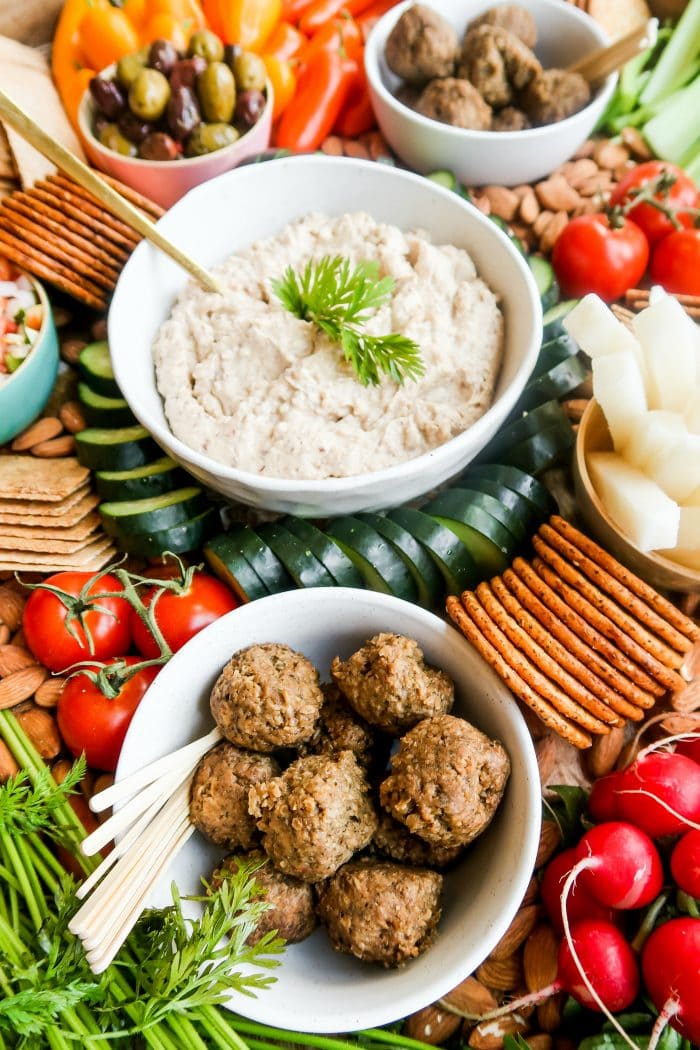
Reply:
x=512 y=17
x=291 y=910
x=341 y=729
x=497 y=63
x=446 y=781
x=456 y=102
x=554 y=95
x=381 y=912
x=315 y=816
x=510 y=119
x=219 y=794
x=395 y=840
x=267 y=696
x=422 y=45
x=388 y=682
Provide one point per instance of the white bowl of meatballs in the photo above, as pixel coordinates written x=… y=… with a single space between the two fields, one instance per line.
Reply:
x=482 y=90
x=382 y=774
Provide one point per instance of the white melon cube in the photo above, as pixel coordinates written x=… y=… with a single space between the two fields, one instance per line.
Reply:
x=643 y=512
x=678 y=471
x=654 y=434
x=689 y=528
x=619 y=390
x=598 y=332
x=693 y=499
x=668 y=340
x=692 y=412
x=689 y=559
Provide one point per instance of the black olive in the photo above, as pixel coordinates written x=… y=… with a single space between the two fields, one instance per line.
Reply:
x=249 y=108
x=108 y=96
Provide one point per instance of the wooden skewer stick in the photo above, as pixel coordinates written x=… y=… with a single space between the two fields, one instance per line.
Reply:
x=160 y=790
x=35 y=135
x=606 y=60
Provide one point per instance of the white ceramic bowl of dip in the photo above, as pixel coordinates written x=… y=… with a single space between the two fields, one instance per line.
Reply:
x=231 y=212
x=317 y=989
x=477 y=158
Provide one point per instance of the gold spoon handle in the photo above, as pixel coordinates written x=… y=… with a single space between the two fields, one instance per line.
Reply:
x=599 y=64
x=18 y=119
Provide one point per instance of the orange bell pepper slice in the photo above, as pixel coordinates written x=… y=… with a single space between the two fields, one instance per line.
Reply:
x=248 y=22
x=284 y=41
x=357 y=115
x=162 y=26
x=105 y=35
x=322 y=89
x=340 y=35
x=283 y=80
x=319 y=12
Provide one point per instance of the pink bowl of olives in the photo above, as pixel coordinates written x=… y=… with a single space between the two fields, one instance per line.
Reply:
x=162 y=121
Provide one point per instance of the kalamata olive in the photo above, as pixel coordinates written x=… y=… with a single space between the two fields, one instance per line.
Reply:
x=249 y=108
x=149 y=94
x=158 y=146
x=186 y=71
x=108 y=96
x=231 y=53
x=249 y=72
x=112 y=138
x=129 y=67
x=132 y=127
x=207 y=138
x=183 y=112
x=206 y=44
x=162 y=56
x=216 y=91
x=99 y=124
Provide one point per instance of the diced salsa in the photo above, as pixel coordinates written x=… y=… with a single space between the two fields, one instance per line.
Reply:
x=21 y=318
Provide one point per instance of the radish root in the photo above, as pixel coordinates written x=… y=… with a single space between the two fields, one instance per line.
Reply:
x=671 y=1008
x=533 y=999
x=667 y=739
x=664 y=805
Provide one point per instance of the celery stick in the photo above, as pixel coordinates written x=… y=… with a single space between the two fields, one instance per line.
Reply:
x=673 y=131
x=680 y=51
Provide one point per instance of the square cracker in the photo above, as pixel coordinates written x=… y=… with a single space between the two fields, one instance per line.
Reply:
x=43 y=545
x=618 y=18
x=72 y=516
x=34 y=507
x=56 y=563
x=89 y=524
x=22 y=477
x=23 y=559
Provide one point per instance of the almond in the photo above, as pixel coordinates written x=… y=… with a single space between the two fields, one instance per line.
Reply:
x=471 y=997
x=431 y=1025
x=597 y=186
x=542 y=1041
x=502 y=975
x=70 y=350
x=490 y=1035
x=546 y=751
x=529 y=206
x=610 y=155
x=604 y=752
x=556 y=194
x=540 y=957
x=550 y=840
x=60 y=446
x=504 y=202
x=42 y=730
x=549 y=1014
x=49 y=692
x=60 y=770
x=551 y=232
x=635 y=143
x=518 y=931
x=531 y=893
x=98 y=329
x=11 y=607
x=540 y=223
x=482 y=203
x=43 y=430
x=71 y=415
x=586 y=150
x=19 y=639
x=580 y=170
x=21 y=685
x=5 y=634
x=14 y=658
x=102 y=782
x=8 y=766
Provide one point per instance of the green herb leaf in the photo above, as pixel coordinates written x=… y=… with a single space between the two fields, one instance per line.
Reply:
x=340 y=299
x=27 y=807
x=567 y=810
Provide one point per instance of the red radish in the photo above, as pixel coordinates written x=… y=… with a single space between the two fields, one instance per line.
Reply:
x=689 y=748
x=671 y=971
x=606 y=959
x=660 y=793
x=619 y=865
x=580 y=905
x=602 y=801
x=685 y=863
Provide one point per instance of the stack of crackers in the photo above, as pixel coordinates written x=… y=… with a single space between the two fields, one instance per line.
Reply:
x=617 y=17
x=48 y=520
x=577 y=637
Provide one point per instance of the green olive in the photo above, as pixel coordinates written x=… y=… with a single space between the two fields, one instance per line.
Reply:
x=111 y=138
x=206 y=44
x=207 y=138
x=129 y=67
x=216 y=91
x=149 y=95
x=249 y=71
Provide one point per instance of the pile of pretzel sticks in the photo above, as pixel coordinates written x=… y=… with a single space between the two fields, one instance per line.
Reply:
x=577 y=637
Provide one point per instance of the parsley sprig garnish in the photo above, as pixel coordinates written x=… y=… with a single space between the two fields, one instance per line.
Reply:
x=340 y=299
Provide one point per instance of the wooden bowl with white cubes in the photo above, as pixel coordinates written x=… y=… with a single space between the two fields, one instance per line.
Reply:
x=637 y=461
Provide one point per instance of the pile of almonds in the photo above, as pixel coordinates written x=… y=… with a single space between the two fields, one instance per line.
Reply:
x=51 y=437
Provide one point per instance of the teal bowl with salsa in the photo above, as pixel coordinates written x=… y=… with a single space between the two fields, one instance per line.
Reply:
x=26 y=383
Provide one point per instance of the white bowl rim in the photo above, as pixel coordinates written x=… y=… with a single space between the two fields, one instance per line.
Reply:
x=530 y=797
x=44 y=300
x=87 y=107
x=524 y=136
x=280 y=487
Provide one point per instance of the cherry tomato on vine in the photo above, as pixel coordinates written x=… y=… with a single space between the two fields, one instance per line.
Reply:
x=653 y=223
x=96 y=724
x=676 y=262
x=181 y=616
x=593 y=255
x=46 y=631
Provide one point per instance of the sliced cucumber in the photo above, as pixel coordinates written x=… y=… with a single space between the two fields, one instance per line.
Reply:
x=553 y=353
x=543 y=450
x=522 y=508
x=95 y=367
x=185 y=536
x=129 y=517
x=489 y=542
x=557 y=382
x=523 y=426
x=417 y=560
x=101 y=411
x=333 y=559
x=505 y=228
x=299 y=561
x=456 y=502
x=444 y=178
x=163 y=475
x=226 y=562
x=453 y=560
x=519 y=481
x=375 y=558
x=264 y=562
x=553 y=320
x=102 y=448
x=545 y=280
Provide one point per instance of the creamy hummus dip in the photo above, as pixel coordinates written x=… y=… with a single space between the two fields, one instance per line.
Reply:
x=252 y=386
